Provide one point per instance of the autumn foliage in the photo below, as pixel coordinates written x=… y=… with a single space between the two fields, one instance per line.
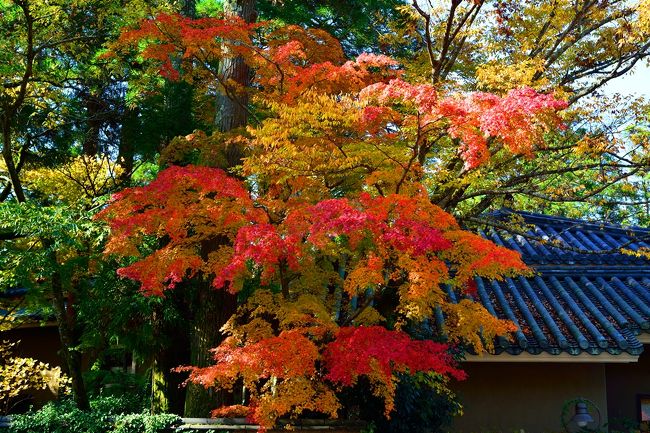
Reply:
x=333 y=222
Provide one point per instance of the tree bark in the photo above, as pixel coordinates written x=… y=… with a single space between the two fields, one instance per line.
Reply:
x=212 y=311
x=189 y=8
x=232 y=107
x=215 y=308
x=65 y=322
x=167 y=392
x=126 y=148
x=94 y=112
x=8 y=157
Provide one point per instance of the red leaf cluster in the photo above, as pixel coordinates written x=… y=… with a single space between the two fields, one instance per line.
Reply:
x=185 y=207
x=289 y=355
x=378 y=354
x=375 y=350
x=519 y=119
x=293 y=61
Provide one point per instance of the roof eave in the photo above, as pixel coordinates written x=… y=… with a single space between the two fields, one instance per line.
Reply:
x=584 y=357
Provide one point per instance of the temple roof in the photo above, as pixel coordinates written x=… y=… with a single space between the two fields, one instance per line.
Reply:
x=590 y=292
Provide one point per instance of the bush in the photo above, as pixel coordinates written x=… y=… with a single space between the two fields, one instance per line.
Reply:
x=108 y=415
x=102 y=383
x=18 y=376
x=423 y=404
x=60 y=417
x=145 y=423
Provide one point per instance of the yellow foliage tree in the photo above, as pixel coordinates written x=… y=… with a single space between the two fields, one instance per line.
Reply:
x=81 y=179
x=20 y=375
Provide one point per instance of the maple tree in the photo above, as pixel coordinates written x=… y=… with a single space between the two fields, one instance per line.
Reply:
x=328 y=164
x=335 y=225
x=402 y=235
x=505 y=177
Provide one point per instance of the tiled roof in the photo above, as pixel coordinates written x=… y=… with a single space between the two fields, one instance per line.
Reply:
x=17 y=293
x=586 y=296
x=571 y=242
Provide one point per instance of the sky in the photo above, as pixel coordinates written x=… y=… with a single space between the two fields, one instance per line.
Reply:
x=636 y=82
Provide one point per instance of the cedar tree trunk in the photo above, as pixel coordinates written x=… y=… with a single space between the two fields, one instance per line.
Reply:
x=215 y=308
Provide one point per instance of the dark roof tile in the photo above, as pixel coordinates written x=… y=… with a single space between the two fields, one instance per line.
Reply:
x=587 y=294
x=563 y=241
x=571 y=314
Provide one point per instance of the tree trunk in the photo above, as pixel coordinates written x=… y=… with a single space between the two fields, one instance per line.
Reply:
x=167 y=392
x=215 y=308
x=94 y=113
x=8 y=157
x=189 y=8
x=232 y=108
x=69 y=342
x=126 y=149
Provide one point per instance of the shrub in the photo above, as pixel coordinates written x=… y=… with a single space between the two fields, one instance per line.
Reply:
x=60 y=417
x=145 y=423
x=21 y=375
x=108 y=415
x=423 y=404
